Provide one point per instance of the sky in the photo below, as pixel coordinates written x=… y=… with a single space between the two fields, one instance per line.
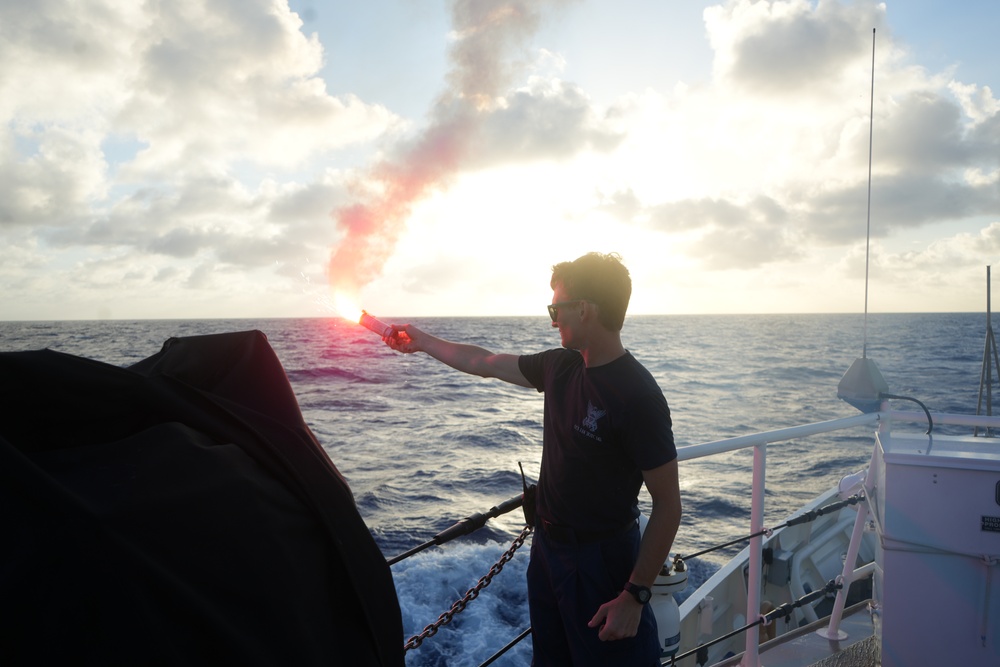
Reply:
x=254 y=158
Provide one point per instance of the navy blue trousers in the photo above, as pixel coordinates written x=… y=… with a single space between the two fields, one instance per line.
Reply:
x=566 y=585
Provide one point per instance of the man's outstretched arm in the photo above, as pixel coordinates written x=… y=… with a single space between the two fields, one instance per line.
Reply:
x=470 y=359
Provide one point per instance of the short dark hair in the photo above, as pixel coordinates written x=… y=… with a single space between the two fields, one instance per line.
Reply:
x=600 y=278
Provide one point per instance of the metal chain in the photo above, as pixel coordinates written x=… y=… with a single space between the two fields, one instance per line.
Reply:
x=470 y=595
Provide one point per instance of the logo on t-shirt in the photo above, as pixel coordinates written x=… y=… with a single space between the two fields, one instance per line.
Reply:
x=590 y=421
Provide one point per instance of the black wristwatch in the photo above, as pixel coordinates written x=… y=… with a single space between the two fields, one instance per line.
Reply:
x=641 y=593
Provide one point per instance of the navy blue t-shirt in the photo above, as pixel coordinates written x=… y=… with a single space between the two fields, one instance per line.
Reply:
x=602 y=427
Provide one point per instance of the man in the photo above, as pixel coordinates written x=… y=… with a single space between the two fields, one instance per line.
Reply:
x=607 y=430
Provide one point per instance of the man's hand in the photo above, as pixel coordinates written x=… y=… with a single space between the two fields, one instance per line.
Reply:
x=403 y=339
x=620 y=618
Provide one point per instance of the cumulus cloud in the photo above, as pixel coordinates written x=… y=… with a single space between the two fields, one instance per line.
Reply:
x=791 y=47
x=177 y=80
x=782 y=133
x=199 y=96
x=167 y=132
x=551 y=120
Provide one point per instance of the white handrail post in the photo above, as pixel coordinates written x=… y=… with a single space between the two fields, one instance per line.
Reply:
x=833 y=631
x=751 y=657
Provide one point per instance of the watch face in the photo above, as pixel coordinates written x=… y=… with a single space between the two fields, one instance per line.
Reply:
x=640 y=593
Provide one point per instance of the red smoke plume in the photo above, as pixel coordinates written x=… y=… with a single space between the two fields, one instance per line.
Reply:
x=485 y=32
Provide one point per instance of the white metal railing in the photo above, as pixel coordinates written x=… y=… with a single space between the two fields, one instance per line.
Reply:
x=759 y=442
x=778 y=435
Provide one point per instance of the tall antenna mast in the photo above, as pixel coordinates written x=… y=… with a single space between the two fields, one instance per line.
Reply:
x=863 y=385
x=868 y=233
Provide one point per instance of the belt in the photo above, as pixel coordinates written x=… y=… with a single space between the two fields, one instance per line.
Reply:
x=567 y=535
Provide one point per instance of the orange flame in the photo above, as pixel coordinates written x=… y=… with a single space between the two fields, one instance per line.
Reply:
x=346 y=307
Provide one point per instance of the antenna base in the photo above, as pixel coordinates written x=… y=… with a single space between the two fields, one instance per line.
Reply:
x=863 y=385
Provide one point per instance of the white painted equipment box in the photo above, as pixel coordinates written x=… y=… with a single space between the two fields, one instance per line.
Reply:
x=936 y=506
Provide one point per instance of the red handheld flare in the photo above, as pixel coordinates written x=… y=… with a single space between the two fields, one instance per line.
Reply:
x=376 y=325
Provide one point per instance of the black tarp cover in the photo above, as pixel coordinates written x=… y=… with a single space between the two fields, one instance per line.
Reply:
x=179 y=512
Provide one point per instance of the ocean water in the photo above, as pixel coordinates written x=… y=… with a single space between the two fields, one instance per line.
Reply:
x=423 y=446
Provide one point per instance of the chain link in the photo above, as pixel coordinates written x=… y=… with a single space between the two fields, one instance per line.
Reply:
x=470 y=595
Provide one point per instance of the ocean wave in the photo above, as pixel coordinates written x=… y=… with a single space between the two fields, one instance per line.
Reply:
x=327 y=372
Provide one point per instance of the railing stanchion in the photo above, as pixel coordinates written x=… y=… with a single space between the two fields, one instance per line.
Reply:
x=832 y=630
x=751 y=657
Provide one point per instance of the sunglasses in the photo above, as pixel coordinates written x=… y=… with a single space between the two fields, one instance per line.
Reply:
x=554 y=307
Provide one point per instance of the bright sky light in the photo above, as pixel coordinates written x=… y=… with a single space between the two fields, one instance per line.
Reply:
x=233 y=158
